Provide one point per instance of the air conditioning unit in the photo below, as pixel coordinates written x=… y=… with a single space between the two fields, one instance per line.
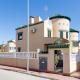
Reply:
x=33 y=30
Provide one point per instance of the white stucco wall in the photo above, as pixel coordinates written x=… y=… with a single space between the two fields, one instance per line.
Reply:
x=73 y=62
x=60 y=25
x=74 y=36
x=63 y=24
x=73 y=52
x=47 y=25
x=12 y=47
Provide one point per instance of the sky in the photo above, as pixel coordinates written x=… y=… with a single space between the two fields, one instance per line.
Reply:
x=13 y=14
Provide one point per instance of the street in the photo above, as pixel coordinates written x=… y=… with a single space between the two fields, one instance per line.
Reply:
x=10 y=75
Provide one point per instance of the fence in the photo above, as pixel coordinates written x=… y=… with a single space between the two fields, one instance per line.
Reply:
x=20 y=55
x=78 y=57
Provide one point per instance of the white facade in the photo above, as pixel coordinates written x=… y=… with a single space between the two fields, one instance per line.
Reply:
x=11 y=46
x=74 y=36
x=61 y=24
x=48 y=26
x=34 y=19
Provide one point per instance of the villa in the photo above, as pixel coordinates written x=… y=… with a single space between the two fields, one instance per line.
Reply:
x=58 y=44
x=10 y=46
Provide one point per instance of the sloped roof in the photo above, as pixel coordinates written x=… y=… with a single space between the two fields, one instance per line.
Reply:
x=29 y=25
x=60 y=16
x=73 y=30
x=53 y=17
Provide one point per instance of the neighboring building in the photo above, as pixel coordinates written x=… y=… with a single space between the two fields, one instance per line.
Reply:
x=10 y=46
x=56 y=40
x=2 y=48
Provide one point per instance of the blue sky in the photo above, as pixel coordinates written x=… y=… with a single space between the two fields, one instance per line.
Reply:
x=13 y=13
x=69 y=8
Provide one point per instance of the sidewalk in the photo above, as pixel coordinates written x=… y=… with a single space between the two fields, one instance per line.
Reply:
x=49 y=75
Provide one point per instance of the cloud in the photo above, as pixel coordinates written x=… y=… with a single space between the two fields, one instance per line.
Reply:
x=45 y=8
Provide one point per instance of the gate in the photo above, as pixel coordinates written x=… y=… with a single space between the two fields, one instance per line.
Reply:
x=43 y=64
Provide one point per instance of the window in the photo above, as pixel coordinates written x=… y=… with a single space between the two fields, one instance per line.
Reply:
x=19 y=49
x=61 y=34
x=20 y=35
x=10 y=48
x=75 y=43
x=66 y=34
x=49 y=33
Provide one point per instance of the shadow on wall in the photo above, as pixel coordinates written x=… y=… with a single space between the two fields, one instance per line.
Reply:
x=78 y=61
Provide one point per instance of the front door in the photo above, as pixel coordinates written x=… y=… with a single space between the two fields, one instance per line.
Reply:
x=58 y=61
x=43 y=64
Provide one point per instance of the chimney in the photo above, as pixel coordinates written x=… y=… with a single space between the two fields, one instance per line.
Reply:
x=31 y=20
x=35 y=19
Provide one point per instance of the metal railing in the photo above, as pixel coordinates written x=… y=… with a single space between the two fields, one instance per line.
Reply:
x=20 y=55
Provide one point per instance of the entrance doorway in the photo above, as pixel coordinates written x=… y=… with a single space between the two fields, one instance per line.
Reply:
x=43 y=64
x=58 y=61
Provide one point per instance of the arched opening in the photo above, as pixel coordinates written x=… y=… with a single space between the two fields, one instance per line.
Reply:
x=58 y=61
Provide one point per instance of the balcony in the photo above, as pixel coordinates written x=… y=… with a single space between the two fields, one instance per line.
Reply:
x=59 y=46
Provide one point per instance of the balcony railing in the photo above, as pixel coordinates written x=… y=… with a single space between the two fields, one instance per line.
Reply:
x=59 y=46
x=20 y=55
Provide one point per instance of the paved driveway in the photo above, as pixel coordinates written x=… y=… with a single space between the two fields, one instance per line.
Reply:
x=10 y=75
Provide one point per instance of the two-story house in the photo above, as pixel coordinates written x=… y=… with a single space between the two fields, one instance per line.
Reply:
x=57 y=42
